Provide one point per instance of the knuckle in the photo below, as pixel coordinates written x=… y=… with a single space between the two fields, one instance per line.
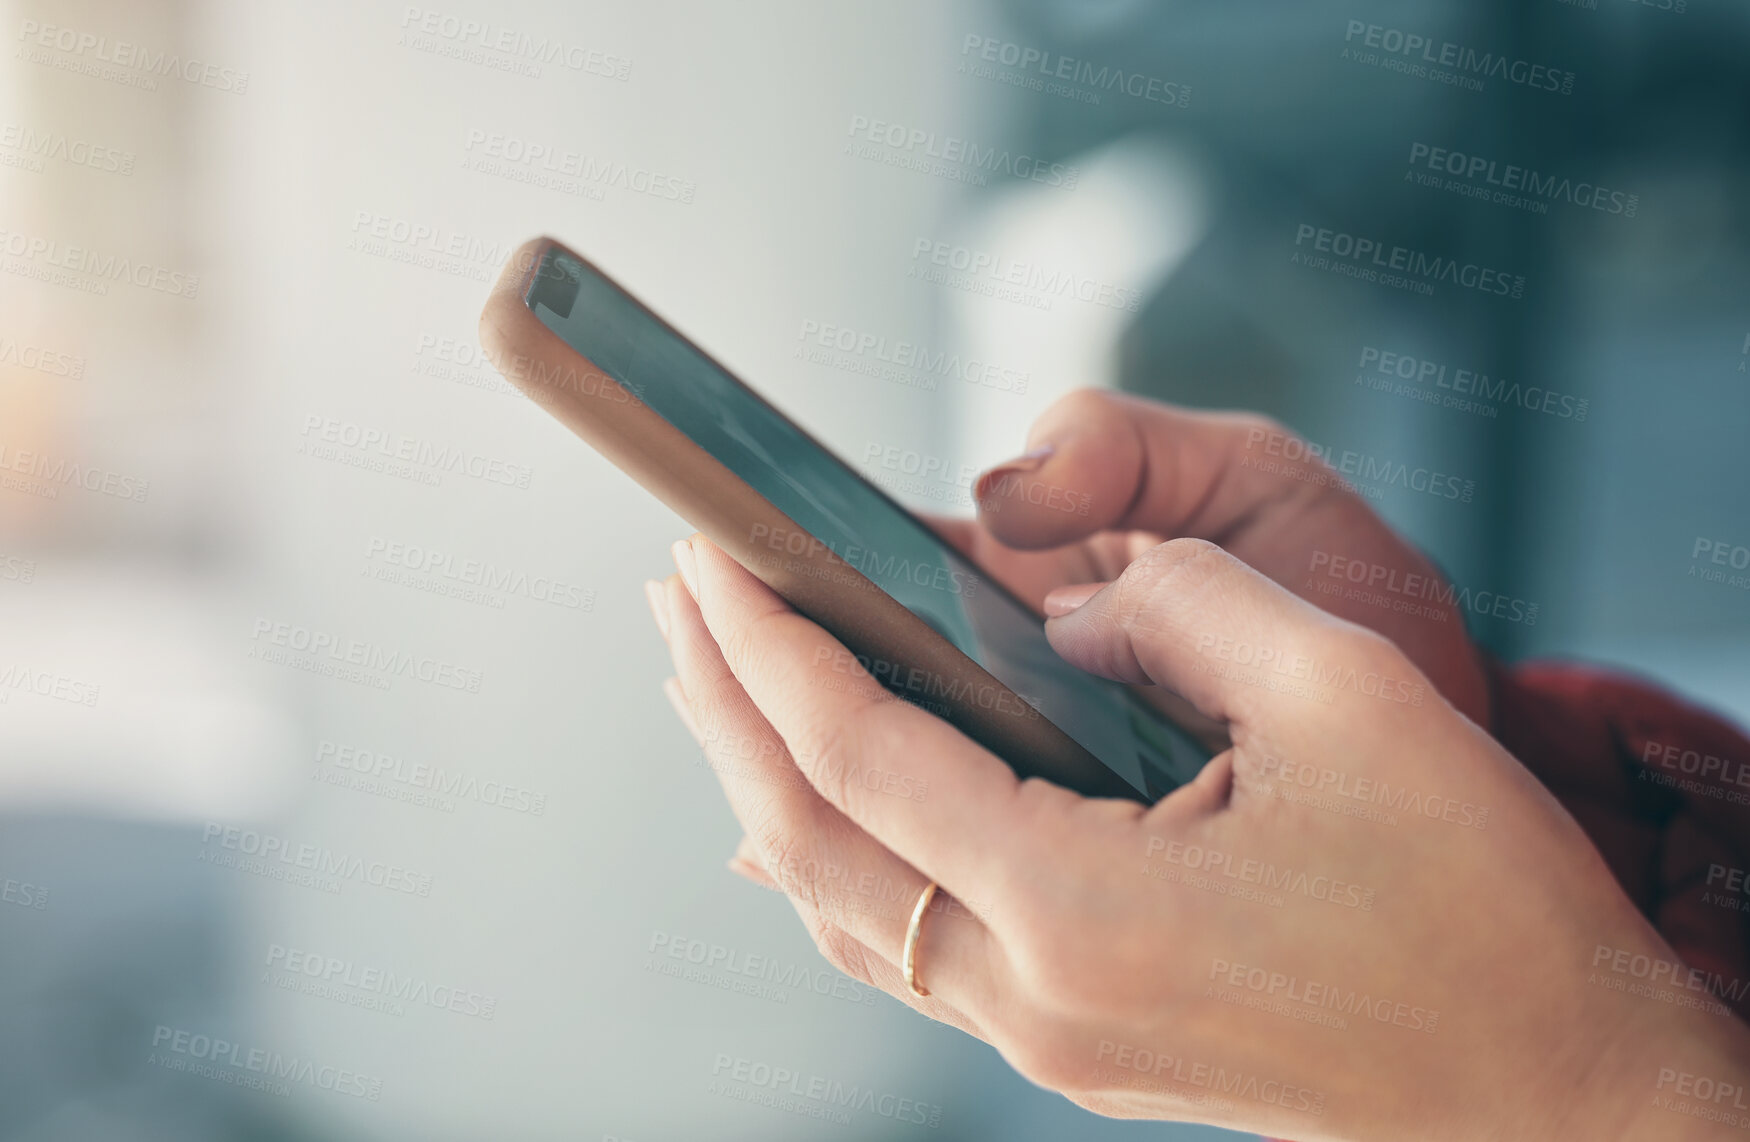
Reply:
x=861 y=734
x=826 y=765
x=842 y=950
x=1063 y=963
x=1176 y=559
x=1094 y=968
x=1368 y=650
x=1257 y=425
x=1049 y=1061
x=1081 y=405
x=1172 y=575
x=1069 y=953
x=1384 y=675
x=743 y=645
x=734 y=753
x=715 y=708
x=788 y=858
x=1046 y=807
x=739 y=647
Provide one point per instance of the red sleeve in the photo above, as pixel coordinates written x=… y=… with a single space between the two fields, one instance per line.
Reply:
x=1660 y=785
x=1566 y=721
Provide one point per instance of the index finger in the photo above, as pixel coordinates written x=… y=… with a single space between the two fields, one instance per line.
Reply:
x=859 y=745
x=1101 y=461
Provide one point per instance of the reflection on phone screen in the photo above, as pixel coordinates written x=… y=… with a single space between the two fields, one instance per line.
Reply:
x=859 y=523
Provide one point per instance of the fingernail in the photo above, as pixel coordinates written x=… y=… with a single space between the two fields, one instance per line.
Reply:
x=658 y=604
x=1028 y=461
x=1063 y=600
x=687 y=564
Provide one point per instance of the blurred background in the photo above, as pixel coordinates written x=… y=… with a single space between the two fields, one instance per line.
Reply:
x=337 y=794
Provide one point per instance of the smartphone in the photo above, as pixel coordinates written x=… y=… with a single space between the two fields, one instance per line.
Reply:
x=916 y=614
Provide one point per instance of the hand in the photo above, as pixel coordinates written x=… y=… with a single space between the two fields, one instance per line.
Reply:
x=1185 y=961
x=1144 y=472
x=1122 y=474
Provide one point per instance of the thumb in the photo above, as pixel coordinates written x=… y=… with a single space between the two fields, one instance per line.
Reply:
x=1100 y=461
x=1188 y=616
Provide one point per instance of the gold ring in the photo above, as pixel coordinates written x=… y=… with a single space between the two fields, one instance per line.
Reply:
x=909 y=961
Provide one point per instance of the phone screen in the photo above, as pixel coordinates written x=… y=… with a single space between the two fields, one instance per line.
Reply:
x=858 y=522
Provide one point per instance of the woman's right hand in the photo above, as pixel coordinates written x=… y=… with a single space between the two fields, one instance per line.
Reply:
x=1123 y=474
x=1253 y=951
